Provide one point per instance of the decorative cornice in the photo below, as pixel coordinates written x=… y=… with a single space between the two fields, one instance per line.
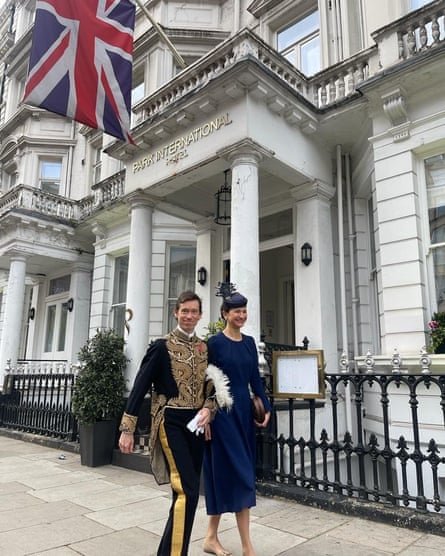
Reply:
x=259 y=7
x=313 y=189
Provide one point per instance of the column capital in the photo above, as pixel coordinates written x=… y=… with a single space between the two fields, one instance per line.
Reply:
x=139 y=198
x=313 y=189
x=245 y=151
x=16 y=255
x=81 y=266
x=205 y=225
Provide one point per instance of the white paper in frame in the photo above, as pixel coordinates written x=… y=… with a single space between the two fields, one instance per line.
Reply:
x=298 y=374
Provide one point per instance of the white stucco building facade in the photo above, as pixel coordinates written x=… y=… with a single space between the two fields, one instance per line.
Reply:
x=326 y=118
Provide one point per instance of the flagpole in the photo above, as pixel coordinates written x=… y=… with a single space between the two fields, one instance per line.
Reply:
x=162 y=34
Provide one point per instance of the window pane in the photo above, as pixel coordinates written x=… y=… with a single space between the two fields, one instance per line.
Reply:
x=120 y=279
x=310 y=56
x=182 y=270
x=62 y=327
x=182 y=277
x=435 y=181
x=276 y=225
x=50 y=322
x=298 y=31
x=415 y=4
x=59 y=285
x=50 y=175
x=119 y=294
x=137 y=93
x=439 y=275
x=118 y=319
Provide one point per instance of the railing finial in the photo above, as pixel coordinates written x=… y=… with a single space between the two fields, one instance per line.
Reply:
x=425 y=361
x=344 y=363
x=396 y=362
x=369 y=362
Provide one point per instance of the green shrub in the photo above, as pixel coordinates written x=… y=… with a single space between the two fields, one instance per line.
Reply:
x=100 y=385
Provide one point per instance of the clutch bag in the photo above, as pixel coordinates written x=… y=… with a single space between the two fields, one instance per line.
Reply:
x=259 y=412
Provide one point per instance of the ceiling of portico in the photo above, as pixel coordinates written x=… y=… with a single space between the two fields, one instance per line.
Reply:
x=192 y=195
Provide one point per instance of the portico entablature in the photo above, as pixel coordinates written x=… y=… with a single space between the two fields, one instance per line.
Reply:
x=38 y=238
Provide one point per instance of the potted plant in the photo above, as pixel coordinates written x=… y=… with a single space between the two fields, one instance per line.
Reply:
x=437 y=332
x=98 y=396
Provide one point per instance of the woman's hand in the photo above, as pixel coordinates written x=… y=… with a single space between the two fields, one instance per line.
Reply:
x=264 y=424
x=207 y=432
x=126 y=442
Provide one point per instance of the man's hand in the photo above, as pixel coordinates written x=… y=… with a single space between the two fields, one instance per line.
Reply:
x=126 y=442
x=204 y=417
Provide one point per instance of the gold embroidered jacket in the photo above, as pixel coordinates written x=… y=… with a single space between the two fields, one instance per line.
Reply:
x=175 y=367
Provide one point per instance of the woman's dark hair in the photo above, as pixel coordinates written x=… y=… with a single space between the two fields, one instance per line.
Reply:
x=188 y=296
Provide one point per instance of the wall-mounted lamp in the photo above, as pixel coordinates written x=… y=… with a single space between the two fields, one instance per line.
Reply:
x=223 y=200
x=306 y=253
x=202 y=275
x=70 y=304
x=31 y=313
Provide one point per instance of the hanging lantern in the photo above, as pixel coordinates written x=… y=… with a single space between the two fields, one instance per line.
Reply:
x=223 y=200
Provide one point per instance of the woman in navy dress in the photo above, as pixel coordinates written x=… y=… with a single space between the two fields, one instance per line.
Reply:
x=229 y=458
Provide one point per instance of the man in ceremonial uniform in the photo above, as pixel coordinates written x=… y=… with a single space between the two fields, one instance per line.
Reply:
x=174 y=369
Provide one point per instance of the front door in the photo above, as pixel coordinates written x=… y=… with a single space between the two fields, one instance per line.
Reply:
x=277 y=295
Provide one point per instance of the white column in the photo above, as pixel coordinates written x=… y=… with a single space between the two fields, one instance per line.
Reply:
x=12 y=322
x=315 y=311
x=244 y=241
x=80 y=291
x=208 y=255
x=139 y=280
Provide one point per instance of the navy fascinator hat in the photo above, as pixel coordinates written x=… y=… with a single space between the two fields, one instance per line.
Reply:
x=234 y=301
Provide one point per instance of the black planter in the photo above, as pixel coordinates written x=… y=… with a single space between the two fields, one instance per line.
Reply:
x=440 y=348
x=97 y=443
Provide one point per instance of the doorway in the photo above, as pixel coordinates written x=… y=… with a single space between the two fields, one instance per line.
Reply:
x=277 y=295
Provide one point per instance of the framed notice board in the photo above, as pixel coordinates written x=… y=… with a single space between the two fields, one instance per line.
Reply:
x=298 y=374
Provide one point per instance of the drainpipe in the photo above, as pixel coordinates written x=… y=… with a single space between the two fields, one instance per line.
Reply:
x=341 y=266
x=70 y=162
x=236 y=15
x=352 y=237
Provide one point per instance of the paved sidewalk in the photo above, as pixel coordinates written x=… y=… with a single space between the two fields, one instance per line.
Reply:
x=51 y=505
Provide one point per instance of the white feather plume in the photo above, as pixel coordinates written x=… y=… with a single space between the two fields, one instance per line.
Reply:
x=221 y=383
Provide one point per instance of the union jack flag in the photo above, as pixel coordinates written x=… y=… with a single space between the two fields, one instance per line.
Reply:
x=80 y=64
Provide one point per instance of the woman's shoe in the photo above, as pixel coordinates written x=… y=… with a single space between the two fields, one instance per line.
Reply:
x=218 y=552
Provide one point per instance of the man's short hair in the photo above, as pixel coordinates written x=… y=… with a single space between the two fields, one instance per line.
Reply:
x=188 y=296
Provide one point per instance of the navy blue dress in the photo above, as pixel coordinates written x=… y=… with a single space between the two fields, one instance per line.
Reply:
x=229 y=458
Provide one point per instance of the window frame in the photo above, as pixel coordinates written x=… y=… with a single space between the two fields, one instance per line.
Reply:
x=117 y=305
x=50 y=156
x=170 y=300
x=431 y=248
x=59 y=301
x=295 y=47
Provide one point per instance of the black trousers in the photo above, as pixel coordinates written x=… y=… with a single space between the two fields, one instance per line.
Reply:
x=184 y=452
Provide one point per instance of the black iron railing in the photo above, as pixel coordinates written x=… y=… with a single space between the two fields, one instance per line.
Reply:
x=36 y=398
x=381 y=455
x=376 y=436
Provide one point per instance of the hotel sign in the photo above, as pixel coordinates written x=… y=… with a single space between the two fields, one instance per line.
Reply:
x=177 y=149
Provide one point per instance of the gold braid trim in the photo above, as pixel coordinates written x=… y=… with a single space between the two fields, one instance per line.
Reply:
x=128 y=423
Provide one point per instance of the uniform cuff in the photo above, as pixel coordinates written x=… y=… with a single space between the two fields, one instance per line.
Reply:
x=128 y=423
